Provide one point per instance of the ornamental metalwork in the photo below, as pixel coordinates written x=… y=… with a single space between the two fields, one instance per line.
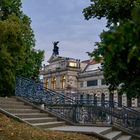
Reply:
x=38 y=94
x=79 y=111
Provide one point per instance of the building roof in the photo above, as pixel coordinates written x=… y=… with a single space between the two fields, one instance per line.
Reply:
x=93 y=67
x=54 y=58
x=90 y=61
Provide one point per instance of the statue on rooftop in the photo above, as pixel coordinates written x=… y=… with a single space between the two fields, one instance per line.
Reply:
x=56 y=48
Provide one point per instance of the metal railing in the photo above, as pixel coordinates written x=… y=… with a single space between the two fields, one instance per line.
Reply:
x=83 y=112
x=36 y=93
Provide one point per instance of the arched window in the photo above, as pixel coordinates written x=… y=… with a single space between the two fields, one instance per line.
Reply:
x=46 y=83
x=53 y=83
x=63 y=80
x=119 y=100
x=129 y=102
x=95 y=99
x=111 y=99
x=102 y=99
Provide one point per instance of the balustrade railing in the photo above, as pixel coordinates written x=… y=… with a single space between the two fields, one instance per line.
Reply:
x=36 y=93
x=83 y=112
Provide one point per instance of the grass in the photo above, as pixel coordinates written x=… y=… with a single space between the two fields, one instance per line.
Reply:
x=13 y=130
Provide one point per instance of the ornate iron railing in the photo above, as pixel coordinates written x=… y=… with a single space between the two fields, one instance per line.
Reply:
x=36 y=93
x=84 y=112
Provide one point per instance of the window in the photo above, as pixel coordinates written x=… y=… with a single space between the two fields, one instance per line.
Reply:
x=63 y=80
x=92 y=83
x=72 y=64
x=53 y=83
x=46 y=83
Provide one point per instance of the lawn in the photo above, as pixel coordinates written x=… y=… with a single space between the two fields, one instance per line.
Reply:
x=13 y=130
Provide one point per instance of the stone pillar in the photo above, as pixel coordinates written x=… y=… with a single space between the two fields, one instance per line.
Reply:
x=99 y=83
x=134 y=102
x=124 y=100
x=49 y=83
x=58 y=83
x=106 y=95
x=98 y=91
x=115 y=96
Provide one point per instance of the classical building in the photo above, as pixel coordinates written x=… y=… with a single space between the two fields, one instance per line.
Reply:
x=61 y=74
x=91 y=82
x=83 y=80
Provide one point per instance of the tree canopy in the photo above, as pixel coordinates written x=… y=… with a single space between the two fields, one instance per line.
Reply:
x=120 y=45
x=17 y=53
x=114 y=11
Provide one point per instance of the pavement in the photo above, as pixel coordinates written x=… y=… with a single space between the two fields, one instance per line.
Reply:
x=81 y=129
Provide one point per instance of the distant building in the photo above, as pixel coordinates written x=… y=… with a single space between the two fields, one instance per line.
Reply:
x=80 y=79
x=61 y=74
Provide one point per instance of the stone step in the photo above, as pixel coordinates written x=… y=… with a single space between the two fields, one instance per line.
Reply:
x=124 y=137
x=49 y=124
x=31 y=115
x=28 y=114
x=13 y=106
x=81 y=129
x=11 y=102
x=106 y=131
x=40 y=120
x=7 y=99
x=22 y=110
x=113 y=135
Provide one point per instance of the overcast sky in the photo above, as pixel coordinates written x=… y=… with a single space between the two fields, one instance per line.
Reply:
x=62 y=20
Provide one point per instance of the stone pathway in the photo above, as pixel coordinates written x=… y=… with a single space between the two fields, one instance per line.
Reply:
x=105 y=133
x=84 y=129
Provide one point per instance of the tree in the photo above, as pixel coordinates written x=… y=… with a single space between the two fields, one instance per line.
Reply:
x=17 y=53
x=32 y=64
x=8 y=7
x=114 y=11
x=120 y=45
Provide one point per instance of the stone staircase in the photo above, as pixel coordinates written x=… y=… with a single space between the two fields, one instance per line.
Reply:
x=37 y=118
x=115 y=135
x=106 y=133
x=29 y=114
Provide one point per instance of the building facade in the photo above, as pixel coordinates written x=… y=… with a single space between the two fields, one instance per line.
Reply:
x=61 y=74
x=83 y=80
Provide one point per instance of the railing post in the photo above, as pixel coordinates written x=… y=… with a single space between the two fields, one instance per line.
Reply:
x=75 y=113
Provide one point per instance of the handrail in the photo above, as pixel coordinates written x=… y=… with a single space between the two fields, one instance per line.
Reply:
x=36 y=89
